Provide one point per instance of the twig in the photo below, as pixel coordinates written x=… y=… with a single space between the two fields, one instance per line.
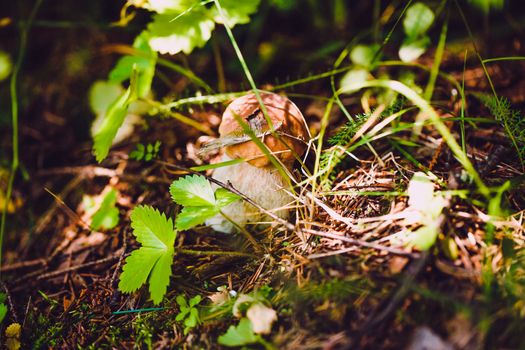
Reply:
x=213 y=252
x=361 y=243
x=23 y=264
x=10 y=302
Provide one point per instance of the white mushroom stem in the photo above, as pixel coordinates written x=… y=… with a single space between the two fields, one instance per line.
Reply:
x=264 y=186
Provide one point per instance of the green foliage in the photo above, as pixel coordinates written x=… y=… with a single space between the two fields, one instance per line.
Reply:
x=200 y=202
x=418 y=19
x=511 y=120
x=113 y=120
x=144 y=62
x=189 y=314
x=3 y=311
x=107 y=215
x=486 y=5
x=102 y=94
x=183 y=25
x=152 y=262
x=239 y=335
x=365 y=55
x=6 y=65
x=235 y=11
x=427 y=207
x=174 y=32
x=146 y=153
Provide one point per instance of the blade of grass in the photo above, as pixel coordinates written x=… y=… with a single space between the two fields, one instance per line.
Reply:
x=425 y=107
x=13 y=88
x=429 y=90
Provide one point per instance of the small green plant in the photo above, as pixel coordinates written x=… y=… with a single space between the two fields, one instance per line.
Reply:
x=511 y=120
x=152 y=262
x=189 y=314
x=176 y=26
x=146 y=153
x=426 y=206
x=199 y=200
x=418 y=19
x=3 y=307
x=104 y=214
x=156 y=233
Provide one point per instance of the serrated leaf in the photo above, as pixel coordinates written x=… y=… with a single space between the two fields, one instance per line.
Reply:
x=152 y=262
x=411 y=49
x=144 y=62
x=173 y=32
x=160 y=276
x=235 y=11
x=239 y=335
x=223 y=197
x=192 y=216
x=152 y=228
x=161 y=6
x=192 y=191
x=137 y=268
x=107 y=216
x=113 y=120
x=418 y=19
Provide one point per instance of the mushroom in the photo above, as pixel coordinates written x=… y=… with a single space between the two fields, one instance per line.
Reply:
x=286 y=138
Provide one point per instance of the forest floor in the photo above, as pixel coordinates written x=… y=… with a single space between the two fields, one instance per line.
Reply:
x=338 y=280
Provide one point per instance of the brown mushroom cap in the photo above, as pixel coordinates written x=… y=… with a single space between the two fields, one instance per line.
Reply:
x=287 y=120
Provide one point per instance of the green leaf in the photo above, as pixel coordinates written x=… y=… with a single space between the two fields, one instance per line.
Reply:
x=353 y=79
x=153 y=260
x=6 y=65
x=113 y=120
x=152 y=228
x=192 y=216
x=3 y=311
x=200 y=202
x=239 y=335
x=102 y=94
x=173 y=32
x=363 y=55
x=235 y=11
x=411 y=48
x=192 y=191
x=144 y=62
x=424 y=237
x=137 y=268
x=107 y=216
x=418 y=19
x=195 y=300
x=160 y=276
x=224 y=197
x=161 y=6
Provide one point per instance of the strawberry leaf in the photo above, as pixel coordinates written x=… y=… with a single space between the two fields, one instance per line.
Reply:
x=152 y=262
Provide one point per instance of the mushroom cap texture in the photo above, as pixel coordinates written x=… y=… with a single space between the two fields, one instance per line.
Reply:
x=286 y=118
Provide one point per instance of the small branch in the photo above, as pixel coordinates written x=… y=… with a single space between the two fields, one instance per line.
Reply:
x=213 y=252
x=362 y=243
